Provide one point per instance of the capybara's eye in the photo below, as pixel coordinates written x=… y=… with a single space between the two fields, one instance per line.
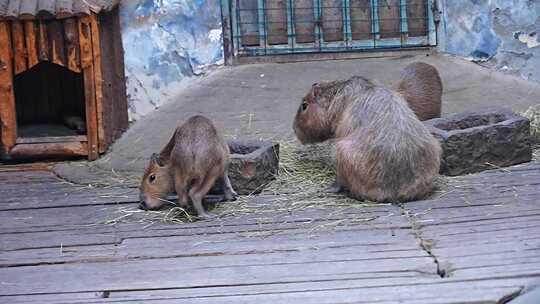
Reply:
x=152 y=178
x=304 y=106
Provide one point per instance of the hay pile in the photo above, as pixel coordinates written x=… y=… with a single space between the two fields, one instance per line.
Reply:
x=533 y=114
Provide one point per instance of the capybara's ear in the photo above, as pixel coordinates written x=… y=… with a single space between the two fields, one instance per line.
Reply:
x=156 y=160
x=316 y=88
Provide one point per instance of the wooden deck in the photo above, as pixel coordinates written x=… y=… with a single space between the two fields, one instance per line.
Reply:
x=478 y=243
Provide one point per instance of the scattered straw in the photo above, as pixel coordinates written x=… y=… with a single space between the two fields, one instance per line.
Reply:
x=533 y=114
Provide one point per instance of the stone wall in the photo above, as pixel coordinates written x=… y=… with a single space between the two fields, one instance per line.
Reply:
x=503 y=34
x=166 y=43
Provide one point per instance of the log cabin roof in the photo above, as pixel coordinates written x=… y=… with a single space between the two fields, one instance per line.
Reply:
x=52 y=9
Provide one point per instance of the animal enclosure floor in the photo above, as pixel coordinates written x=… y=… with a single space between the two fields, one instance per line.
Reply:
x=479 y=242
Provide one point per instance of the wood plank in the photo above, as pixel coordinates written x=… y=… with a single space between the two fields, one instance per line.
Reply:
x=8 y=116
x=417 y=18
x=389 y=18
x=55 y=34
x=332 y=20
x=71 y=34
x=58 y=139
x=49 y=150
x=119 y=102
x=30 y=30
x=87 y=63
x=304 y=21
x=43 y=41
x=19 y=50
x=98 y=82
x=276 y=12
x=28 y=9
x=360 y=11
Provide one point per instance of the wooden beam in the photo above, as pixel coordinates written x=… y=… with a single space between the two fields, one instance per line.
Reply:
x=71 y=35
x=43 y=43
x=48 y=150
x=87 y=63
x=64 y=9
x=28 y=10
x=8 y=121
x=19 y=55
x=31 y=43
x=55 y=34
x=51 y=139
x=98 y=79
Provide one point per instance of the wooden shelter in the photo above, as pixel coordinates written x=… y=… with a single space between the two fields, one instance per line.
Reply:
x=62 y=82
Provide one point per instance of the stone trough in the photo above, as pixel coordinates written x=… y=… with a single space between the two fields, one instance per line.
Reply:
x=476 y=141
x=253 y=165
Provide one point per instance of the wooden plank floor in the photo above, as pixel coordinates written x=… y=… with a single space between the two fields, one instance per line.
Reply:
x=477 y=243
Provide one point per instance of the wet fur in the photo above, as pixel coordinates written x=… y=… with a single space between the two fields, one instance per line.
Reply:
x=422 y=87
x=193 y=159
x=383 y=152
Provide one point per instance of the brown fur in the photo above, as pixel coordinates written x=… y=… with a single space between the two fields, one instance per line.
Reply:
x=383 y=152
x=195 y=157
x=422 y=87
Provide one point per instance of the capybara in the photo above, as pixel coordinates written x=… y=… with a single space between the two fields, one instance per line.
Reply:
x=195 y=157
x=383 y=152
x=421 y=86
x=75 y=122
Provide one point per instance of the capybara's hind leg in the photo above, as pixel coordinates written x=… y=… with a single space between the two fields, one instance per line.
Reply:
x=230 y=194
x=335 y=187
x=199 y=189
x=181 y=190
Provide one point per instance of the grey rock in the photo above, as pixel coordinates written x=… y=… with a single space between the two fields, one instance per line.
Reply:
x=477 y=141
x=253 y=165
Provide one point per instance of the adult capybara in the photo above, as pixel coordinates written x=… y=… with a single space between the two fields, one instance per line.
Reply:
x=421 y=86
x=383 y=152
x=195 y=157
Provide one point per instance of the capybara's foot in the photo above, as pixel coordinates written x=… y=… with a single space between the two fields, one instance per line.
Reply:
x=335 y=187
x=207 y=216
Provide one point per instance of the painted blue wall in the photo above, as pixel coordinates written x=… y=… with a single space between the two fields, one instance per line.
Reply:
x=167 y=42
x=502 y=33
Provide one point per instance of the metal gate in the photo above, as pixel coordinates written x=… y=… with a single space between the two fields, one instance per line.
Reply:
x=267 y=27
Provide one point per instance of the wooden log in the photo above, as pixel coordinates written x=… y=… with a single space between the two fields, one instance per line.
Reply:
x=55 y=34
x=64 y=9
x=361 y=19
x=19 y=49
x=48 y=150
x=80 y=8
x=389 y=21
x=46 y=9
x=71 y=35
x=98 y=78
x=31 y=43
x=12 y=12
x=43 y=43
x=87 y=63
x=28 y=10
x=51 y=139
x=8 y=123
x=119 y=101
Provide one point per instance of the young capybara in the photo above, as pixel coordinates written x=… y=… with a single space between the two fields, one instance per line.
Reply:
x=383 y=152
x=421 y=86
x=195 y=157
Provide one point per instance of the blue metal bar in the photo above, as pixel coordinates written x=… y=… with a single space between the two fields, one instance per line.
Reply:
x=432 y=32
x=291 y=36
x=404 y=24
x=347 y=32
x=261 y=16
